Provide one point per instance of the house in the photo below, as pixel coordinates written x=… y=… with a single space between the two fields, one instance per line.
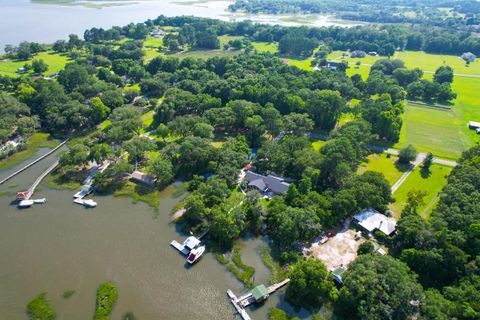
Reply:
x=267 y=184
x=143 y=178
x=157 y=33
x=332 y=65
x=468 y=56
x=373 y=53
x=21 y=70
x=358 y=54
x=260 y=293
x=337 y=274
x=371 y=220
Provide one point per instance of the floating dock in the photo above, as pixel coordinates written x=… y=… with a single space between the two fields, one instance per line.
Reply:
x=244 y=301
x=180 y=247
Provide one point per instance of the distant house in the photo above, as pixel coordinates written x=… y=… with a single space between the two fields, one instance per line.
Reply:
x=373 y=53
x=143 y=178
x=260 y=293
x=371 y=220
x=267 y=184
x=358 y=54
x=468 y=56
x=333 y=65
x=21 y=70
x=157 y=33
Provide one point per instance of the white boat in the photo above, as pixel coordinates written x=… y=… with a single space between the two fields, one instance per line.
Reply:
x=89 y=203
x=25 y=203
x=191 y=243
x=195 y=254
x=40 y=201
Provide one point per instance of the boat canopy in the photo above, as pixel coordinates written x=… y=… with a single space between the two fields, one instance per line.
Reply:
x=191 y=243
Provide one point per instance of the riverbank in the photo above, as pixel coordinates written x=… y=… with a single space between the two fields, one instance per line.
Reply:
x=37 y=141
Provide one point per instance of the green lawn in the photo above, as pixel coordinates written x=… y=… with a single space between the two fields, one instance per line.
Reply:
x=55 y=61
x=226 y=38
x=432 y=184
x=305 y=64
x=434 y=130
x=265 y=47
x=317 y=145
x=205 y=54
x=363 y=69
x=383 y=164
x=444 y=133
x=152 y=42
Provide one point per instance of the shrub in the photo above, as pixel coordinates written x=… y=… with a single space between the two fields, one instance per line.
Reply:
x=107 y=296
x=40 y=309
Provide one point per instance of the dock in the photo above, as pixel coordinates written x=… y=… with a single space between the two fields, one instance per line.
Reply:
x=26 y=195
x=244 y=301
x=180 y=247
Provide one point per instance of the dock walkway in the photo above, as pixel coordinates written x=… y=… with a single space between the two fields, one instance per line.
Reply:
x=244 y=301
x=28 y=194
x=33 y=162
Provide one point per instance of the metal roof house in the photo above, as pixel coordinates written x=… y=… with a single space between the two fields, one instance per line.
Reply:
x=260 y=293
x=143 y=178
x=371 y=220
x=275 y=184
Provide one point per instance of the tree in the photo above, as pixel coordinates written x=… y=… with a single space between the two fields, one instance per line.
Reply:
x=136 y=148
x=443 y=74
x=160 y=168
x=311 y=284
x=39 y=66
x=379 y=287
x=407 y=154
x=365 y=248
x=73 y=76
x=298 y=123
x=203 y=130
x=162 y=131
x=324 y=107
x=427 y=163
x=414 y=201
x=99 y=111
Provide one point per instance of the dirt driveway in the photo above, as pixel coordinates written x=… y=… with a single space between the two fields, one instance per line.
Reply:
x=339 y=250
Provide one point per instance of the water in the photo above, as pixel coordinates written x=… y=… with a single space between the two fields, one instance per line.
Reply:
x=24 y=20
x=61 y=246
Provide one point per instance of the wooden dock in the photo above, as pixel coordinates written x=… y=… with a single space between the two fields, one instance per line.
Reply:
x=33 y=162
x=26 y=195
x=244 y=301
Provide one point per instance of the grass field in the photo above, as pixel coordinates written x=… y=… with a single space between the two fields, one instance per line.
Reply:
x=265 y=47
x=205 y=54
x=152 y=42
x=226 y=38
x=55 y=61
x=384 y=164
x=444 y=133
x=432 y=184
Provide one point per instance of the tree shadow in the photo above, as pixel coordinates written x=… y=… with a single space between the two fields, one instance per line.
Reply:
x=402 y=167
x=425 y=173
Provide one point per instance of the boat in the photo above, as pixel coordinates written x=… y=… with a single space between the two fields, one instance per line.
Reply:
x=191 y=243
x=89 y=203
x=25 y=203
x=195 y=254
x=40 y=201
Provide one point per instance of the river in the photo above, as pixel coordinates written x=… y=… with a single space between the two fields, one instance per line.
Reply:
x=61 y=246
x=45 y=21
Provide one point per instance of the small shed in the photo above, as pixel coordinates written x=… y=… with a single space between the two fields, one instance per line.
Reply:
x=473 y=125
x=260 y=293
x=337 y=274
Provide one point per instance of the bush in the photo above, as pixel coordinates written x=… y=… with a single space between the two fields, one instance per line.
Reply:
x=40 y=309
x=107 y=296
